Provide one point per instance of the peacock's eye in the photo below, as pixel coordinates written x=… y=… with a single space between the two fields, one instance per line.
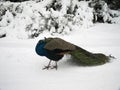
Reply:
x=41 y=41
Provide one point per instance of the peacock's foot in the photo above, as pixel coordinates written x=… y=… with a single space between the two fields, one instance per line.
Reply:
x=46 y=67
x=54 y=67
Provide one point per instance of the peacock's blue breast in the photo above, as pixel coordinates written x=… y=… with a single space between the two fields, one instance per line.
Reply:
x=50 y=54
x=40 y=49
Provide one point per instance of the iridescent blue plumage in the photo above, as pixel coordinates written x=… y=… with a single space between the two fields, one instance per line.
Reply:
x=40 y=48
x=51 y=54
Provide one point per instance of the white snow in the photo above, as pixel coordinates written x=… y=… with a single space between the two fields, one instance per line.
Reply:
x=21 y=67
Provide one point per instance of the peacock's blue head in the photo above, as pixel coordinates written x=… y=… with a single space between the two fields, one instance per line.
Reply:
x=40 y=48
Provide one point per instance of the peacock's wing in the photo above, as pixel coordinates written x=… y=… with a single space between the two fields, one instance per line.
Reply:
x=57 y=43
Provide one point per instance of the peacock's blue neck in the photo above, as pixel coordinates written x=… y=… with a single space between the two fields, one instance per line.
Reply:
x=40 y=49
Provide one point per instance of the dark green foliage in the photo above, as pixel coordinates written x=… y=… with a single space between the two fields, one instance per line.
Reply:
x=3 y=35
x=17 y=0
x=113 y=4
x=82 y=57
x=55 y=5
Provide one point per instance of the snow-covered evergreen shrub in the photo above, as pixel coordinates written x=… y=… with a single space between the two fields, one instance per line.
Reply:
x=83 y=15
x=113 y=4
x=104 y=14
x=19 y=17
x=115 y=16
x=101 y=11
x=30 y=19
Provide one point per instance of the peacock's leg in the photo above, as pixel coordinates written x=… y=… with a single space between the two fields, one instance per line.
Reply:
x=48 y=66
x=56 y=66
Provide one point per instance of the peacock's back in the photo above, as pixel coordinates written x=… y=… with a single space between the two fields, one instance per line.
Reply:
x=57 y=43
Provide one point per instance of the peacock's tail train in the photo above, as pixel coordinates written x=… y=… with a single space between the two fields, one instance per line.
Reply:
x=83 y=57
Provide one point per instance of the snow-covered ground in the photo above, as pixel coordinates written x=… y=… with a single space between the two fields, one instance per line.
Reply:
x=21 y=67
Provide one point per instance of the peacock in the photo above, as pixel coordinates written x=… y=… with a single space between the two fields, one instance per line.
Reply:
x=55 y=48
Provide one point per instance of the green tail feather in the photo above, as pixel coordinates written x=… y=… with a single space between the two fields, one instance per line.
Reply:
x=83 y=57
